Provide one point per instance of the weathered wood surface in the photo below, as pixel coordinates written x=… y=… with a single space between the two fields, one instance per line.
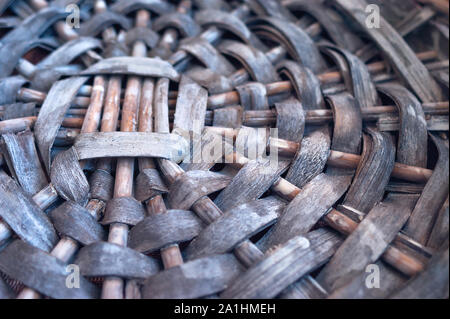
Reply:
x=286 y=264
x=394 y=47
x=195 y=279
x=313 y=202
x=184 y=192
x=250 y=183
x=105 y=259
x=159 y=231
x=235 y=226
x=297 y=42
x=74 y=221
x=68 y=177
x=366 y=244
x=124 y=210
x=183 y=23
x=42 y=272
x=23 y=161
x=23 y=215
x=147 y=67
x=290 y=120
x=433 y=197
x=254 y=60
x=52 y=112
x=130 y=144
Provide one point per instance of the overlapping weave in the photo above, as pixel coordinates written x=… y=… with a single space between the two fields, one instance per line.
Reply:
x=291 y=149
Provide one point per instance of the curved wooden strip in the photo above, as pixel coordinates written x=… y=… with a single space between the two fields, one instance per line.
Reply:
x=74 y=221
x=390 y=281
x=347 y=134
x=235 y=226
x=52 y=114
x=18 y=110
x=229 y=22
x=290 y=120
x=305 y=83
x=102 y=21
x=69 y=51
x=147 y=67
x=308 y=207
x=4 y=4
x=5 y=291
x=9 y=87
x=333 y=23
x=202 y=50
x=191 y=106
x=413 y=133
x=68 y=178
x=253 y=96
x=195 y=279
x=159 y=231
x=271 y=8
x=440 y=234
x=149 y=37
x=252 y=181
x=184 y=192
x=435 y=193
x=298 y=43
x=254 y=61
x=311 y=159
x=298 y=257
x=395 y=48
x=105 y=259
x=231 y=116
x=124 y=210
x=356 y=76
x=368 y=242
x=22 y=214
x=23 y=161
x=373 y=173
x=149 y=184
x=102 y=185
x=181 y=22
x=214 y=82
x=125 y=7
x=25 y=36
x=42 y=272
x=131 y=144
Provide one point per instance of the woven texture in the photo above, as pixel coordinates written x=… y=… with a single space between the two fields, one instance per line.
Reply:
x=254 y=149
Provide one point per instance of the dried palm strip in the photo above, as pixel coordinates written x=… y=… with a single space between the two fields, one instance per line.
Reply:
x=330 y=20
x=42 y=271
x=23 y=161
x=17 y=110
x=295 y=40
x=43 y=75
x=68 y=245
x=231 y=98
x=139 y=66
x=372 y=175
x=24 y=216
x=284 y=266
x=5 y=291
x=9 y=88
x=403 y=59
x=390 y=281
x=413 y=137
x=102 y=259
x=52 y=113
x=195 y=279
x=368 y=242
x=433 y=197
x=101 y=21
x=18 y=41
x=177 y=22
